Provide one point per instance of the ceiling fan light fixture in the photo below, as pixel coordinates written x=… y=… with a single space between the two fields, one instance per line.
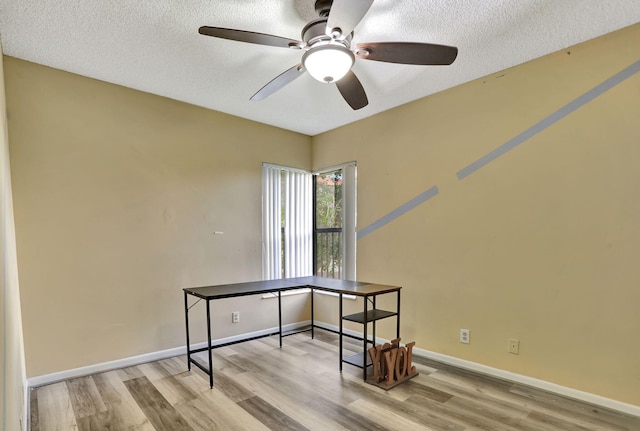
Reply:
x=328 y=63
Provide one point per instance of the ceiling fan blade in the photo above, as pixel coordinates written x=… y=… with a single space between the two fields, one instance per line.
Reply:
x=250 y=37
x=346 y=14
x=352 y=91
x=278 y=82
x=425 y=54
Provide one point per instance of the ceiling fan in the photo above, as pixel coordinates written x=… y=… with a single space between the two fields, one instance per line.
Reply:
x=328 y=55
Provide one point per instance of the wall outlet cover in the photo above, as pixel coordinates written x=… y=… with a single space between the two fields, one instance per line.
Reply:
x=465 y=336
x=514 y=346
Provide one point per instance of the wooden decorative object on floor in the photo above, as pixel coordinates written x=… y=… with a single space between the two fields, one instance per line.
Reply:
x=392 y=364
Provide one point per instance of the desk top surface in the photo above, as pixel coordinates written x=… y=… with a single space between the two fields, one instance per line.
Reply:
x=358 y=288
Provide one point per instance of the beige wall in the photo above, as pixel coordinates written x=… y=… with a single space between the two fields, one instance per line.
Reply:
x=541 y=244
x=12 y=366
x=118 y=194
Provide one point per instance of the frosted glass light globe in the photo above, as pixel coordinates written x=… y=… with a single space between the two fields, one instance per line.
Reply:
x=328 y=63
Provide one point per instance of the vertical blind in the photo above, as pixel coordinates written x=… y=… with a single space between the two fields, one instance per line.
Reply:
x=295 y=205
x=271 y=224
x=298 y=232
x=349 y=199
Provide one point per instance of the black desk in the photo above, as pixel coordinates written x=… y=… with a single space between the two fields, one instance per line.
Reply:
x=368 y=291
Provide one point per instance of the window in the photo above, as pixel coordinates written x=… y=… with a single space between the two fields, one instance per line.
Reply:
x=308 y=222
x=286 y=222
x=327 y=224
x=334 y=231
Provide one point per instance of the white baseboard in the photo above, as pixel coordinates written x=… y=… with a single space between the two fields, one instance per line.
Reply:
x=149 y=357
x=449 y=360
x=531 y=381
x=544 y=385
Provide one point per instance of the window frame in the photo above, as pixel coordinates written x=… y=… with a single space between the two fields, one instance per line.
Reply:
x=349 y=217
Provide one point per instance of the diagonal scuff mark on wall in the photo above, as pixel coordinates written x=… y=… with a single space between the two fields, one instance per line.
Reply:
x=406 y=207
x=507 y=146
x=550 y=120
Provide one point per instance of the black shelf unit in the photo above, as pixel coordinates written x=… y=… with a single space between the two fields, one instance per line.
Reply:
x=365 y=317
x=357 y=360
x=371 y=316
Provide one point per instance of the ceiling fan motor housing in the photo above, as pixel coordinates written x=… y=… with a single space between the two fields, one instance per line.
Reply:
x=323 y=7
x=316 y=31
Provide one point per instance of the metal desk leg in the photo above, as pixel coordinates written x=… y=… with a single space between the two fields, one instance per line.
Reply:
x=374 y=323
x=313 y=324
x=364 y=350
x=280 y=316
x=209 y=344
x=186 y=321
x=340 y=332
x=398 y=316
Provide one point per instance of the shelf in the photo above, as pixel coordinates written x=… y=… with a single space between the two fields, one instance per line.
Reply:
x=372 y=315
x=363 y=360
x=357 y=361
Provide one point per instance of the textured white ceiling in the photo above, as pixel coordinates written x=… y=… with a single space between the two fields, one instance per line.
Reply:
x=154 y=46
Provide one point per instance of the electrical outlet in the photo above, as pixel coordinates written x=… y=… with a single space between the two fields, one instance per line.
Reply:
x=235 y=317
x=465 y=336
x=514 y=346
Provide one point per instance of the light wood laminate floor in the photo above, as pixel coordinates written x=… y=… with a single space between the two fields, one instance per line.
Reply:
x=259 y=386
